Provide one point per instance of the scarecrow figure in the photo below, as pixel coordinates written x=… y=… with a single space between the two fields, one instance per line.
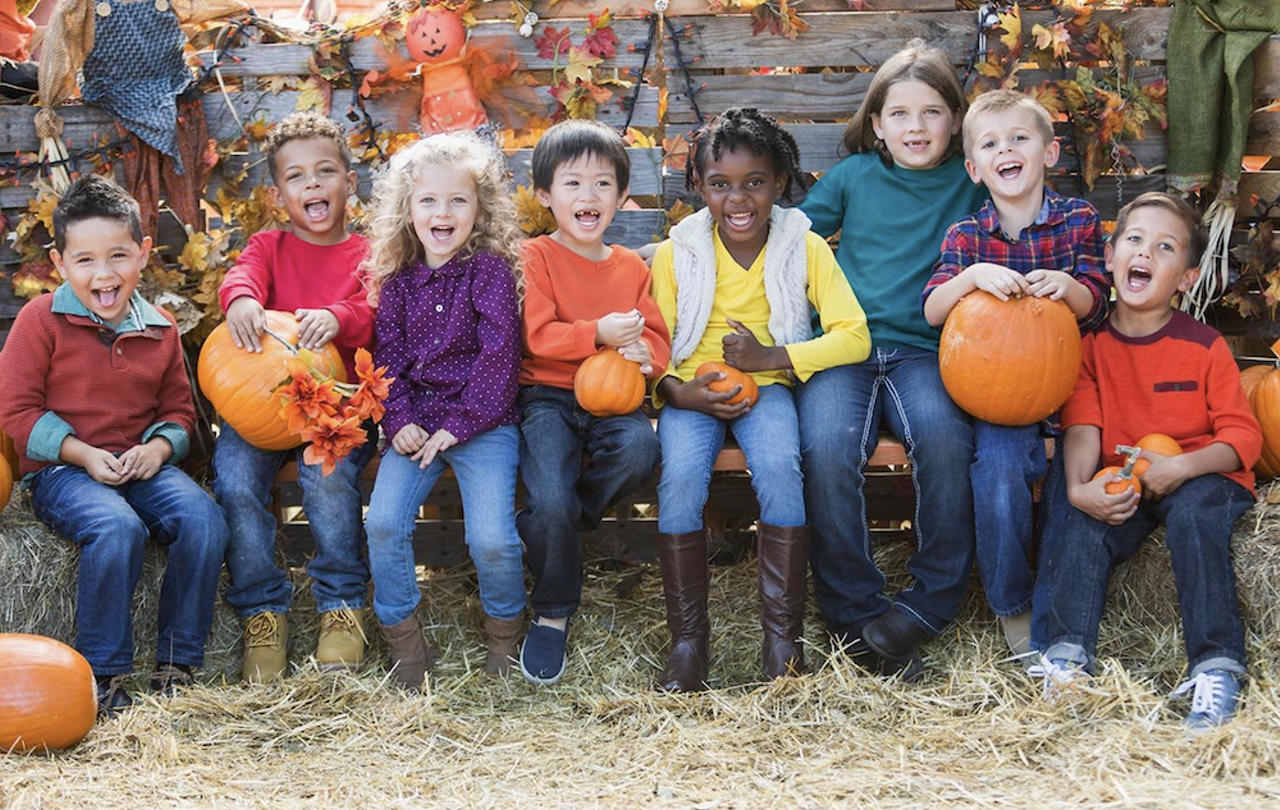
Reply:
x=457 y=76
x=17 y=71
x=129 y=54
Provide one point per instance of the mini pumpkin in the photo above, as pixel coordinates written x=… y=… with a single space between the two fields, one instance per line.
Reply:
x=6 y=483
x=10 y=452
x=1009 y=362
x=240 y=384
x=47 y=694
x=1157 y=443
x=608 y=384
x=1121 y=484
x=732 y=376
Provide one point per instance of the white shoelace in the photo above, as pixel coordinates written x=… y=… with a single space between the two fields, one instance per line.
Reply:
x=1209 y=691
x=1055 y=675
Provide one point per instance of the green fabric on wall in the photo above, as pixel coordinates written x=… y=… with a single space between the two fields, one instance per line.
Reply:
x=1211 y=45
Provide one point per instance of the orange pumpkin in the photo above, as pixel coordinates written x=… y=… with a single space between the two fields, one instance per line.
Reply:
x=1157 y=443
x=6 y=483
x=1249 y=380
x=1009 y=362
x=1265 y=400
x=732 y=376
x=608 y=384
x=240 y=383
x=47 y=695
x=1121 y=484
x=10 y=452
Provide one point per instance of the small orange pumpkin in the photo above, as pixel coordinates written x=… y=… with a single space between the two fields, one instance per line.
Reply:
x=1157 y=443
x=10 y=452
x=6 y=483
x=608 y=384
x=47 y=695
x=240 y=383
x=1009 y=362
x=732 y=376
x=1121 y=484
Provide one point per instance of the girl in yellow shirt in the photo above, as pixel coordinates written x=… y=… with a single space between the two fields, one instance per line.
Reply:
x=737 y=282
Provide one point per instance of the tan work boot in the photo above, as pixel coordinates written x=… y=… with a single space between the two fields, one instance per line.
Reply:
x=411 y=657
x=266 y=647
x=504 y=643
x=342 y=639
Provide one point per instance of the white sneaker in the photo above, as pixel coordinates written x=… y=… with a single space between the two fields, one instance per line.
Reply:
x=1057 y=674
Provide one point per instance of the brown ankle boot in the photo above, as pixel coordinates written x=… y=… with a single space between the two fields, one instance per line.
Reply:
x=411 y=657
x=684 y=584
x=782 y=560
x=504 y=643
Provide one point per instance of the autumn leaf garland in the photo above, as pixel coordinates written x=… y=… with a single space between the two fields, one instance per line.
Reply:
x=577 y=83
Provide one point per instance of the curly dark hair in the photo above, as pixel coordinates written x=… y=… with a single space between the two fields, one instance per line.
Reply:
x=745 y=126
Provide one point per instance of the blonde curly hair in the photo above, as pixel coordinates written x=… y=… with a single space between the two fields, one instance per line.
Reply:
x=393 y=243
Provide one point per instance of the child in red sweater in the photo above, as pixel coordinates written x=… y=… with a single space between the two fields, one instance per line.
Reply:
x=311 y=271
x=97 y=401
x=581 y=297
x=1152 y=369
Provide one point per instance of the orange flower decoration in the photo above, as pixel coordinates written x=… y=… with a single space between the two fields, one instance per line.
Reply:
x=331 y=439
x=374 y=387
x=305 y=398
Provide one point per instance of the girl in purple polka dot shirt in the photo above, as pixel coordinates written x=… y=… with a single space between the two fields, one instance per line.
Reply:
x=445 y=281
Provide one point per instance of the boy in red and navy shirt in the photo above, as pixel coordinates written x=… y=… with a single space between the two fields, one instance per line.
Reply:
x=1152 y=369
x=1025 y=240
x=97 y=401
x=311 y=270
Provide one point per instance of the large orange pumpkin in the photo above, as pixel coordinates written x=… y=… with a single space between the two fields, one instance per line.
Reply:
x=10 y=451
x=240 y=383
x=6 y=483
x=47 y=695
x=1249 y=379
x=1010 y=362
x=732 y=376
x=608 y=384
x=1265 y=401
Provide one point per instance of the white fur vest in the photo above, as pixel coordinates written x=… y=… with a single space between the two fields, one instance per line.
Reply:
x=786 y=279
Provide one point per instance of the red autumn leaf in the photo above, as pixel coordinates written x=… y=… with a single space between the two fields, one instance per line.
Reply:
x=552 y=42
x=601 y=42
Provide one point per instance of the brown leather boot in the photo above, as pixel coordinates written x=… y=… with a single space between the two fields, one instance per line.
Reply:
x=504 y=643
x=411 y=657
x=684 y=584
x=782 y=560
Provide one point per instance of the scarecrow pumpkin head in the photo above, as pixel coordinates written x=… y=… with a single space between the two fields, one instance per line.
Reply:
x=435 y=34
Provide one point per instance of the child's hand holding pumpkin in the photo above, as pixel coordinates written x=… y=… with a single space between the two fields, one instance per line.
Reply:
x=696 y=395
x=619 y=328
x=1051 y=284
x=1000 y=281
x=638 y=352
x=1165 y=474
x=1093 y=499
x=247 y=320
x=316 y=327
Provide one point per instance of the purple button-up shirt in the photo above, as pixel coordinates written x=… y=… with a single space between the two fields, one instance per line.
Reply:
x=451 y=338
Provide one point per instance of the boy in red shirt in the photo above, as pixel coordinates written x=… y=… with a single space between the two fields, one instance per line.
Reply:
x=97 y=401
x=581 y=297
x=1152 y=369
x=310 y=270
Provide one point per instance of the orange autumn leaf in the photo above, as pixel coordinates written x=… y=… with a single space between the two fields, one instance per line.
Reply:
x=330 y=439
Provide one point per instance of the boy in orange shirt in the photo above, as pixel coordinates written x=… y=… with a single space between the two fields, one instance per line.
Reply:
x=312 y=271
x=1152 y=369
x=581 y=297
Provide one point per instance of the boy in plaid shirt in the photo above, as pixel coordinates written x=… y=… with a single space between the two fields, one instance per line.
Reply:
x=1026 y=240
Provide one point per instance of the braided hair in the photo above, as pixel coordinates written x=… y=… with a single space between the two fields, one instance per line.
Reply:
x=745 y=126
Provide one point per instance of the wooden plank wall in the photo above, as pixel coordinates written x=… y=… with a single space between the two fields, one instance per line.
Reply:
x=827 y=75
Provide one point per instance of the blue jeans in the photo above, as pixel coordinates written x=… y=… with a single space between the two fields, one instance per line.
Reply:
x=840 y=415
x=486 y=471
x=562 y=496
x=1009 y=460
x=769 y=438
x=111 y=525
x=242 y=485
x=1078 y=554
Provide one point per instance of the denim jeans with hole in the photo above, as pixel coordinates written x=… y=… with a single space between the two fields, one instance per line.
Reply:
x=486 y=471
x=111 y=525
x=769 y=438
x=332 y=503
x=1078 y=554
x=841 y=411
x=564 y=497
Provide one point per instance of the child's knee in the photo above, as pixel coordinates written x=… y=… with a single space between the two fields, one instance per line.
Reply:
x=495 y=546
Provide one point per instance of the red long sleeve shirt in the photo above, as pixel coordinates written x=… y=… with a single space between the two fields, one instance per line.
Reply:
x=566 y=294
x=109 y=388
x=1181 y=381
x=281 y=271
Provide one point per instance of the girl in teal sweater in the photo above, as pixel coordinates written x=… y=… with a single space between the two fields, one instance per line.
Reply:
x=892 y=200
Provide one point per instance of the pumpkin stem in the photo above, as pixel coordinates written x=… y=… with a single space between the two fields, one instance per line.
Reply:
x=292 y=349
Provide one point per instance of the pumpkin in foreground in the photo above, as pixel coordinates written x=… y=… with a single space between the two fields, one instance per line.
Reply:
x=608 y=384
x=47 y=694
x=1251 y=379
x=732 y=376
x=241 y=385
x=1010 y=362
x=1121 y=484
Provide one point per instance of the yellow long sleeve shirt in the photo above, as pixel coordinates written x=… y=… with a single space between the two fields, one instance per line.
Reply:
x=740 y=295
